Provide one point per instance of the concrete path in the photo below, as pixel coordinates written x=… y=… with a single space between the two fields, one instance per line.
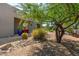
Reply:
x=9 y=39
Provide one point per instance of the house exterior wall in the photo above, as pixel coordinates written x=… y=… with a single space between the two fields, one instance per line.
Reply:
x=7 y=14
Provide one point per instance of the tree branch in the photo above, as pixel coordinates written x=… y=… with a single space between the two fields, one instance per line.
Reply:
x=73 y=22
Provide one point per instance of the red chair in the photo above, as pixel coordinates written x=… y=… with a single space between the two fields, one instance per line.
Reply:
x=25 y=30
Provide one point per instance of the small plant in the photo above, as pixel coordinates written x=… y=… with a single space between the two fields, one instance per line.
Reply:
x=39 y=34
x=24 y=35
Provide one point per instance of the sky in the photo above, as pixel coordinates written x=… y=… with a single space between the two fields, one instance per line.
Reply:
x=13 y=4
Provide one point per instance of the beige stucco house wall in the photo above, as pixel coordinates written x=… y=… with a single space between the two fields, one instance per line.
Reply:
x=7 y=14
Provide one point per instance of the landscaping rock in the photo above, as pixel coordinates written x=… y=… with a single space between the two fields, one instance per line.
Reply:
x=5 y=46
x=29 y=47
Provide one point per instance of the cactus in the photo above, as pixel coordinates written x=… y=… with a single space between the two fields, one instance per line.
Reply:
x=39 y=34
x=24 y=36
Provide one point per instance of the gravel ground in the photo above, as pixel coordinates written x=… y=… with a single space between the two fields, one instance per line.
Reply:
x=29 y=47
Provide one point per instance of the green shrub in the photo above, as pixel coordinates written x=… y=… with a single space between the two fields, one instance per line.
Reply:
x=39 y=34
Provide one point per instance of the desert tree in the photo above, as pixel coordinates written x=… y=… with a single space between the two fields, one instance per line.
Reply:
x=62 y=16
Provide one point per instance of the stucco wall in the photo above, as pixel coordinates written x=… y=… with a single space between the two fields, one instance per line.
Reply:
x=7 y=14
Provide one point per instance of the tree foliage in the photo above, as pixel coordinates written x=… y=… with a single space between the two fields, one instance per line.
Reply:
x=61 y=16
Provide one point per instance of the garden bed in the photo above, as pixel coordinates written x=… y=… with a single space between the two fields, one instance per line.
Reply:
x=29 y=47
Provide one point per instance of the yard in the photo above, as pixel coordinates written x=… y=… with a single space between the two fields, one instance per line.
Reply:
x=29 y=47
x=43 y=30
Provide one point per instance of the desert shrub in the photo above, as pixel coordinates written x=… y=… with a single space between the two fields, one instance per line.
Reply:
x=24 y=35
x=39 y=34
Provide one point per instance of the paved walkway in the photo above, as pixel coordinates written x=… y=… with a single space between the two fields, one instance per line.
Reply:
x=9 y=39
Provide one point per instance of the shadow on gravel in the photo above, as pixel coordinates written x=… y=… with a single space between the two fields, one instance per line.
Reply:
x=53 y=49
x=72 y=47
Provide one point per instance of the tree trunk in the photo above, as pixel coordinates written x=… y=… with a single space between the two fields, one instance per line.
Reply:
x=59 y=33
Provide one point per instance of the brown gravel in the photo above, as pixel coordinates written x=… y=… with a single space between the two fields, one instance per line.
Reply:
x=29 y=47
